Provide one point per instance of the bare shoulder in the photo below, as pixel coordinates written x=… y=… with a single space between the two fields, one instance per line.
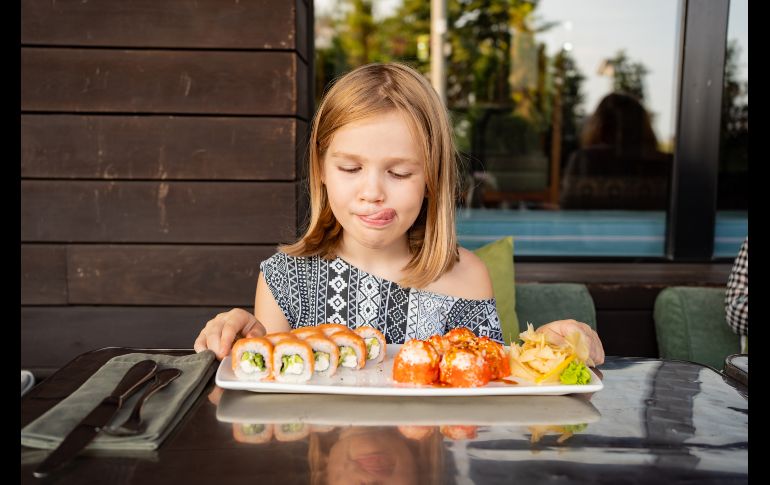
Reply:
x=468 y=279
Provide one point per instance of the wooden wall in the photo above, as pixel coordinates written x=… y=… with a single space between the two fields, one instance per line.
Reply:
x=161 y=144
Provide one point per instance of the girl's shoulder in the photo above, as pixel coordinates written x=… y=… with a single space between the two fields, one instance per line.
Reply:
x=468 y=279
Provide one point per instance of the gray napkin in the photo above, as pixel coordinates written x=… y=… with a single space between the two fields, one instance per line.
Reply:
x=161 y=412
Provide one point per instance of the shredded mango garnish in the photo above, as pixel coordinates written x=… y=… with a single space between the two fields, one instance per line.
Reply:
x=539 y=360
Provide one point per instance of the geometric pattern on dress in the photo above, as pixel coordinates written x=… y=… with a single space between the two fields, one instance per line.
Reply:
x=312 y=290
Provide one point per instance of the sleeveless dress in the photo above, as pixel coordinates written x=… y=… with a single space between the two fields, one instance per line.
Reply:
x=313 y=290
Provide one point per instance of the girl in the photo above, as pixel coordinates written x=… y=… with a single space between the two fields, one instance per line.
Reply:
x=380 y=248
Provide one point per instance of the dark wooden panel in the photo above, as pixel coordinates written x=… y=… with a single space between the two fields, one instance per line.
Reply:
x=164 y=275
x=624 y=297
x=43 y=275
x=52 y=336
x=302 y=19
x=189 y=212
x=158 y=147
x=254 y=24
x=618 y=273
x=303 y=92
x=263 y=83
x=627 y=333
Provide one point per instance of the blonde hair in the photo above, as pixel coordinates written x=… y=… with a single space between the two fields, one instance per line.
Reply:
x=375 y=89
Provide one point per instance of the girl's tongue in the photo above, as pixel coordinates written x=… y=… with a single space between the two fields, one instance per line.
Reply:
x=383 y=215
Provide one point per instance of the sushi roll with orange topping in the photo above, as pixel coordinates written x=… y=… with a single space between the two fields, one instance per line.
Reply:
x=330 y=328
x=352 y=349
x=460 y=335
x=252 y=359
x=441 y=344
x=464 y=367
x=326 y=354
x=291 y=431
x=416 y=363
x=252 y=433
x=459 y=432
x=292 y=361
x=376 y=348
x=303 y=332
x=274 y=338
x=495 y=357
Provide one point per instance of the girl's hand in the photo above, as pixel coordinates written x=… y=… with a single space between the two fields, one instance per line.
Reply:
x=560 y=328
x=220 y=332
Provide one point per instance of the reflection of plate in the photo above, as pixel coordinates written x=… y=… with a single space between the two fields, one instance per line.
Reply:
x=376 y=381
x=242 y=407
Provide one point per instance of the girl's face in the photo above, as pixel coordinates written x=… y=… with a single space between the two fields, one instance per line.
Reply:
x=371 y=455
x=373 y=172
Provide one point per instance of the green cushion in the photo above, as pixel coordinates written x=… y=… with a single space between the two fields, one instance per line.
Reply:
x=498 y=257
x=540 y=303
x=690 y=325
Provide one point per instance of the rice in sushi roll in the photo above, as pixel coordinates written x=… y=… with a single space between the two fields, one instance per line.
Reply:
x=375 y=343
x=292 y=361
x=252 y=359
x=291 y=431
x=352 y=349
x=253 y=433
x=326 y=354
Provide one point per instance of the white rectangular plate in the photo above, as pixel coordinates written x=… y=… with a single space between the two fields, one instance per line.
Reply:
x=376 y=380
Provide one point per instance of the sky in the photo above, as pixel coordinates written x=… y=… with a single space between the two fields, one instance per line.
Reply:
x=647 y=31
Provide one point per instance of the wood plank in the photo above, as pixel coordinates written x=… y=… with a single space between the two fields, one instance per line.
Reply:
x=625 y=297
x=159 y=147
x=670 y=274
x=627 y=333
x=52 y=336
x=43 y=274
x=147 y=81
x=164 y=275
x=186 y=212
x=302 y=20
x=149 y=23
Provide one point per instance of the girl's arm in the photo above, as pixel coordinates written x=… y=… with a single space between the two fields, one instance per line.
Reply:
x=221 y=331
x=266 y=309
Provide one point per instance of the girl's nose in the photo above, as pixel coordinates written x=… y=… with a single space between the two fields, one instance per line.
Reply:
x=371 y=188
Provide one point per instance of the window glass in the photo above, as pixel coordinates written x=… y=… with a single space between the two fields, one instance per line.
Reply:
x=733 y=182
x=564 y=112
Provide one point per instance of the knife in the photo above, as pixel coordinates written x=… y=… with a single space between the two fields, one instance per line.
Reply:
x=92 y=424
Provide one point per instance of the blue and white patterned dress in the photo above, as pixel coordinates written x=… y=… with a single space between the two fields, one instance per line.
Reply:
x=313 y=290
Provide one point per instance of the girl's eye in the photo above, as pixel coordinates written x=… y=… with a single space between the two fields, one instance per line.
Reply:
x=400 y=175
x=350 y=169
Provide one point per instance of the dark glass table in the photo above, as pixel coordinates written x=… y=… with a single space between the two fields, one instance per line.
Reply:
x=655 y=421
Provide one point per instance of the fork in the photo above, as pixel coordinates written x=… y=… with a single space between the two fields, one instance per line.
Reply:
x=134 y=424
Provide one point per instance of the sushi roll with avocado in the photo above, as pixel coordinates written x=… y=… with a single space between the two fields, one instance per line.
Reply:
x=252 y=359
x=292 y=361
x=375 y=343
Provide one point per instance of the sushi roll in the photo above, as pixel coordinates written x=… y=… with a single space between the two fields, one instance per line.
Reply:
x=495 y=357
x=376 y=348
x=460 y=335
x=330 y=328
x=292 y=361
x=253 y=433
x=291 y=431
x=252 y=359
x=326 y=354
x=352 y=349
x=304 y=332
x=439 y=343
x=464 y=367
x=274 y=338
x=416 y=363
